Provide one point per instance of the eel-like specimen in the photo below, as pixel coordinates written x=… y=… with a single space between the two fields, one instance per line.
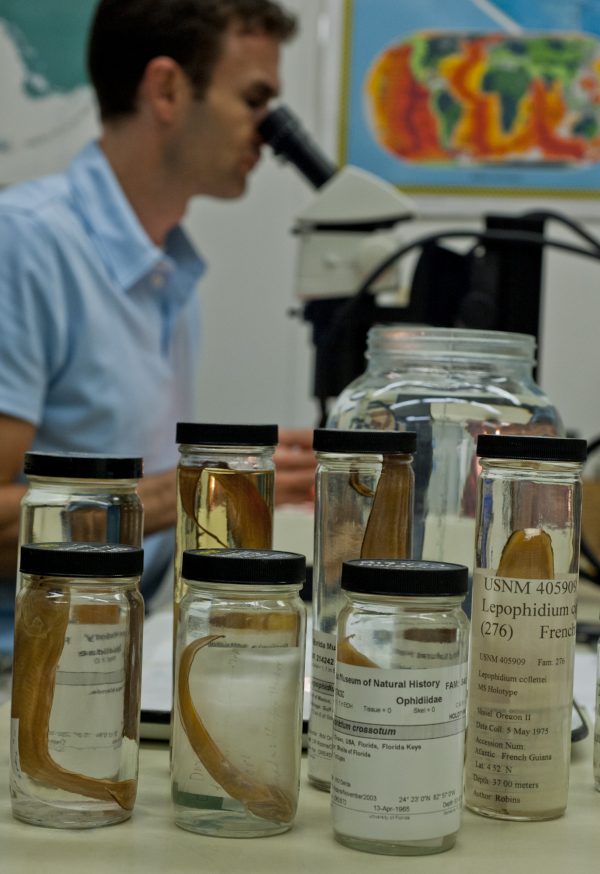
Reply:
x=188 y=480
x=359 y=486
x=40 y=627
x=349 y=655
x=389 y=528
x=248 y=515
x=528 y=555
x=262 y=799
x=249 y=518
x=132 y=693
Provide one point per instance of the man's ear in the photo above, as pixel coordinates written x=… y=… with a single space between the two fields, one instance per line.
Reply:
x=165 y=89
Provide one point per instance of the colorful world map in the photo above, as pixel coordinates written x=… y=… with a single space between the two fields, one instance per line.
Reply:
x=488 y=98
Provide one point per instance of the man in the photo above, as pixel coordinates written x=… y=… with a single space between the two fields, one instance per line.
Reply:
x=98 y=311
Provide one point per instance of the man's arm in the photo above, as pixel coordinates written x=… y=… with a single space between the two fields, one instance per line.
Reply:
x=16 y=437
x=295 y=465
x=157 y=493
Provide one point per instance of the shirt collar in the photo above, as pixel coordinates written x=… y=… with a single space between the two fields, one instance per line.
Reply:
x=120 y=240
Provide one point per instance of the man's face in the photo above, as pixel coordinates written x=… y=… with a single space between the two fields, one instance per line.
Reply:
x=219 y=144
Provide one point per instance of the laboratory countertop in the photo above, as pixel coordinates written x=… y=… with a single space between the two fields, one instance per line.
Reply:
x=150 y=842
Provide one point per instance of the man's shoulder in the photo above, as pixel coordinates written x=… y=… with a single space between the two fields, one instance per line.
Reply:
x=37 y=217
x=34 y=198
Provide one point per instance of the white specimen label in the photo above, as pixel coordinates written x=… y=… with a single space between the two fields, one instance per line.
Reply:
x=321 y=706
x=398 y=742
x=520 y=692
x=86 y=723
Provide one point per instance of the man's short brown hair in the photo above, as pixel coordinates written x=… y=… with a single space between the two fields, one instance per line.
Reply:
x=127 y=34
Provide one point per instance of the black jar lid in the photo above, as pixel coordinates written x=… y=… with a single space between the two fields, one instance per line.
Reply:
x=390 y=576
x=377 y=442
x=68 y=465
x=525 y=448
x=81 y=559
x=250 y=566
x=208 y=434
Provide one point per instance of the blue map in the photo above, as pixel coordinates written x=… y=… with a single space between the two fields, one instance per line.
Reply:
x=48 y=110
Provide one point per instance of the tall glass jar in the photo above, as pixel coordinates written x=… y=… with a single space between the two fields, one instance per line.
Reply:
x=523 y=626
x=76 y=684
x=363 y=509
x=449 y=385
x=400 y=700
x=225 y=489
x=237 y=714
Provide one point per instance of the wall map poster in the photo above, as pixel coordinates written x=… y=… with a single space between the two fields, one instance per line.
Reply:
x=474 y=96
x=47 y=103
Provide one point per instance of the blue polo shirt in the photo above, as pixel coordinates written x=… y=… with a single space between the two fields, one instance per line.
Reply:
x=99 y=327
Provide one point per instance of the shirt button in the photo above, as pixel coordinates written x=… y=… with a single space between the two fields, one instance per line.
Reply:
x=157 y=280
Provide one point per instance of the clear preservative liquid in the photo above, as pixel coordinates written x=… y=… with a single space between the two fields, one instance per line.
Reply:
x=225 y=489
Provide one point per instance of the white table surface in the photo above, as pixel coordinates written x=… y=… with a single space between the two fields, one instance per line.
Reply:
x=150 y=842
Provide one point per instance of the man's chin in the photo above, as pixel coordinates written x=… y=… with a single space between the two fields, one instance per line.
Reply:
x=230 y=191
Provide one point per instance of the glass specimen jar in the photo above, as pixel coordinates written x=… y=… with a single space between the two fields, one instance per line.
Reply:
x=237 y=713
x=449 y=385
x=225 y=489
x=81 y=497
x=90 y=498
x=523 y=626
x=399 y=712
x=363 y=509
x=76 y=684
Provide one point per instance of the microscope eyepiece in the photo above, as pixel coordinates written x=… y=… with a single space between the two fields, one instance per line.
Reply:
x=284 y=132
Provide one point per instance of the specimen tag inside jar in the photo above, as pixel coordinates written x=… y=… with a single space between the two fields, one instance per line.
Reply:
x=86 y=723
x=520 y=691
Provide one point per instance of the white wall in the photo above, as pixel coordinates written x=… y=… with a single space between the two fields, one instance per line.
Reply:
x=570 y=335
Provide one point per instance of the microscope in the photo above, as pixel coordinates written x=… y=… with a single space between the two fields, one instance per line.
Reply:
x=352 y=239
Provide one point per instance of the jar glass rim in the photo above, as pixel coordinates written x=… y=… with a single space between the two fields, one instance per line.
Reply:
x=226 y=448
x=423 y=342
